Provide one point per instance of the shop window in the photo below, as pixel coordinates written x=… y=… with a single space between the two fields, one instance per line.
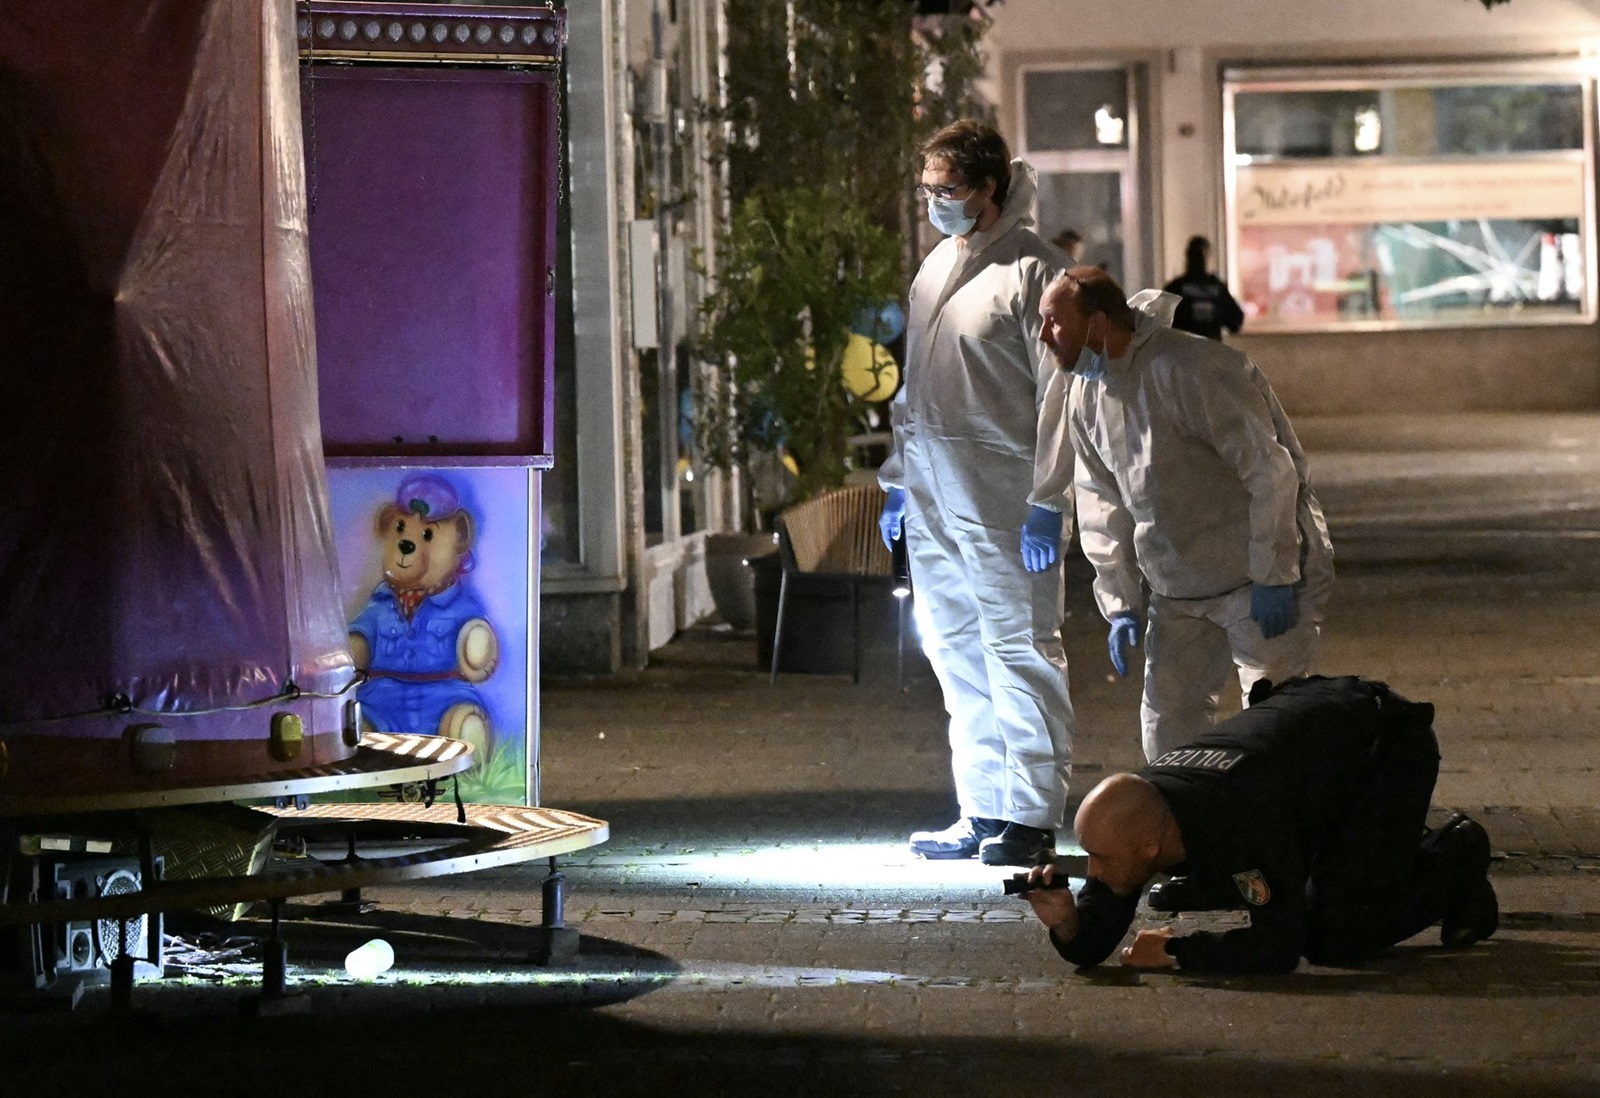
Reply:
x=1075 y=109
x=1382 y=200
x=1080 y=131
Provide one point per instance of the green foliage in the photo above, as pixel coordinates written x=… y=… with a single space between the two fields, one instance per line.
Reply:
x=500 y=776
x=798 y=266
x=952 y=47
x=841 y=94
x=826 y=104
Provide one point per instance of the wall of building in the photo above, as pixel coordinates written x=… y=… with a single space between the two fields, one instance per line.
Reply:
x=628 y=587
x=587 y=624
x=1435 y=370
x=1185 y=44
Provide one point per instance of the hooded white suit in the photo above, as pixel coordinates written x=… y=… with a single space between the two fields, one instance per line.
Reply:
x=980 y=436
x=1190 y=479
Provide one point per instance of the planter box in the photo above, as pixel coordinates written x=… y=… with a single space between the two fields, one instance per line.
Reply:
x=818 y=630
x=731 y=579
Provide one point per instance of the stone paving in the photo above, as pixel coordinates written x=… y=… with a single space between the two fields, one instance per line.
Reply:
x=755 y=926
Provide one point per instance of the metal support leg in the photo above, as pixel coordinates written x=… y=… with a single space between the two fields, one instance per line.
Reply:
x=350 y=901
x=122 y=971
x=777 y=632
x=556 y=943
x=275 y=958
x=554 y=898
x=855 y=632
x=276 y=998
x=155 y=947
x=351 y=895
x=900 y=609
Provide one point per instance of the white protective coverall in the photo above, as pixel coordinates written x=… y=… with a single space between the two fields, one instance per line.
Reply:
x=1190 y=478
x=979 y=436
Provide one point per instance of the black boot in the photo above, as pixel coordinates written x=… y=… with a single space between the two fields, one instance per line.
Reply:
x=1018 y=844
x=1471 y=911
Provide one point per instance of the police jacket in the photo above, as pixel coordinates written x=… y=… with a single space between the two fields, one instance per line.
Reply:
x=1207 y=306
x=1255 y=800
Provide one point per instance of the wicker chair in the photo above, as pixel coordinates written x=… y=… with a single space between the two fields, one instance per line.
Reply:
x=829 y=543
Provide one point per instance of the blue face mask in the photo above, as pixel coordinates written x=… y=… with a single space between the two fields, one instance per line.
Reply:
x=1091 y=365
x=949 y=216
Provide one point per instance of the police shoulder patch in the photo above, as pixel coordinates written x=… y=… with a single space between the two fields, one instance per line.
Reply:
x=1253 y=886
x=1201 y=758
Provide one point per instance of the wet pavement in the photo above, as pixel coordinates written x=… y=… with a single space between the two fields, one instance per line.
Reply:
x=756 y=927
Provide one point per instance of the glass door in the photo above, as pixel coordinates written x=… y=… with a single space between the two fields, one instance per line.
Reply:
x=1080 y=131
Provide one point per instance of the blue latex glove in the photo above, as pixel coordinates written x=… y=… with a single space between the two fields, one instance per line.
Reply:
x=1041 y=538
x=892 y=522
x=1124 y=635
x=1274 y=609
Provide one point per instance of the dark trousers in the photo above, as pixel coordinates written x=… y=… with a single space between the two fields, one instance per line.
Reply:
x=1371 y=886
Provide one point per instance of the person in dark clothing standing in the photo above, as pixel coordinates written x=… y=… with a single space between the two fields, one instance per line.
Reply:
x=1307 y=811
x=1207 y=306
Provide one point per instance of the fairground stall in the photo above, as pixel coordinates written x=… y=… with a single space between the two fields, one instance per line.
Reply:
x=199 y=637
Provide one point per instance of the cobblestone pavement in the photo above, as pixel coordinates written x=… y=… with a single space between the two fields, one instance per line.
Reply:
x=759 y=829
x=755 y=927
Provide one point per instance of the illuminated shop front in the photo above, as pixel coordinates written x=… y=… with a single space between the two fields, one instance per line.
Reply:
x=1401 y=197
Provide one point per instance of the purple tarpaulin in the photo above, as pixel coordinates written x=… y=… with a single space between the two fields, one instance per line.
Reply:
x=166 y=541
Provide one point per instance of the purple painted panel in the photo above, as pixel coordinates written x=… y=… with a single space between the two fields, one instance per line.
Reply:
x=431 y=229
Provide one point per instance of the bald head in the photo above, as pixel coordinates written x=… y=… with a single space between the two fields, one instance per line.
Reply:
x=1092 y=290
x=1084 y=308
x=1126 y=828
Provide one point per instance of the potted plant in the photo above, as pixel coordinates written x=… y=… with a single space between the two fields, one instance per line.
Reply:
x=825 y=103
x=798 y=267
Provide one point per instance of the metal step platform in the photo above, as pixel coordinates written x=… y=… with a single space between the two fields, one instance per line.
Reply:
x=382 y=759
x=493 y=835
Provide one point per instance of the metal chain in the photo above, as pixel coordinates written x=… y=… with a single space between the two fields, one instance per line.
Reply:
x=561 y=114
x=309 y=144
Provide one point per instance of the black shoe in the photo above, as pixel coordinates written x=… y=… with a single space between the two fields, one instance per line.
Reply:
x=1187 y=894
x=1472 y=913
x=1018 y=844
x=959 y=840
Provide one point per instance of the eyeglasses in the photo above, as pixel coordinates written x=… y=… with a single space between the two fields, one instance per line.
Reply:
x=938 y=190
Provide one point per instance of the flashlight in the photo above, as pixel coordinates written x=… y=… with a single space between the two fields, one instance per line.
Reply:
x=1021 y=886
x=902 y=567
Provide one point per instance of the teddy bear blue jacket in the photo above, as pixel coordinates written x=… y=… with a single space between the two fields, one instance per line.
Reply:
x=414 y=677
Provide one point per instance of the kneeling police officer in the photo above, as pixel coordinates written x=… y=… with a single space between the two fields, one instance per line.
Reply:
x=1307 y=810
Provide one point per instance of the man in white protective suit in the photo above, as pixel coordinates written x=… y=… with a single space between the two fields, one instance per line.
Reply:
x=1189 y=480
x=979 y=483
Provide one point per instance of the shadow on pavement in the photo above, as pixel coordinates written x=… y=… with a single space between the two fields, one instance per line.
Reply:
x=504 y=1049
x=1504 y=967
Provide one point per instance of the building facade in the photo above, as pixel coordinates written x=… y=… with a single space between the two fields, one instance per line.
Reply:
x=1401 y=195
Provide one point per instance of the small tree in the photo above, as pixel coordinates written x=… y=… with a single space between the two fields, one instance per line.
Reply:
x=825 y=104
x=797 y=268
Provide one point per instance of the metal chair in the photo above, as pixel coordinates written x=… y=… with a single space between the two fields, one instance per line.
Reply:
x=829 y=543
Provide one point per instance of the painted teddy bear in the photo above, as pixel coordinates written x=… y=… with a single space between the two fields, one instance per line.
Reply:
x=423 y=638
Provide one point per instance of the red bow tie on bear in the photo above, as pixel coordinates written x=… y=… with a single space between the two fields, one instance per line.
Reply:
x=412 y=597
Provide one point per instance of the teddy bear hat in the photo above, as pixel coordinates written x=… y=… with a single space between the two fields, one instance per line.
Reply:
x=427 y=495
